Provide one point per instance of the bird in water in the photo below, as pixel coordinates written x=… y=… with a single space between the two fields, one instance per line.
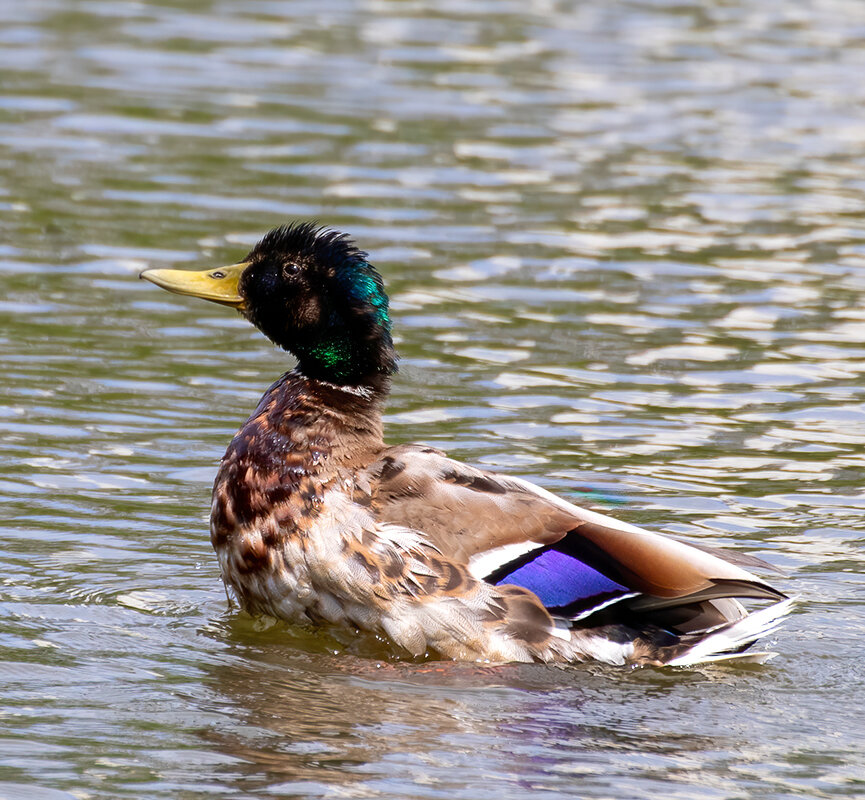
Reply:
x=315 y=520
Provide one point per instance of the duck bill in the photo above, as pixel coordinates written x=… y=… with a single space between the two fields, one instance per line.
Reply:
x=217 y=285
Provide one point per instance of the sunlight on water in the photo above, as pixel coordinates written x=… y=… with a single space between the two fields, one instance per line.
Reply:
x=627 y=260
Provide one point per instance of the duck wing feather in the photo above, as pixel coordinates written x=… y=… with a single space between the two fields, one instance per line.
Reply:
x=510 y=531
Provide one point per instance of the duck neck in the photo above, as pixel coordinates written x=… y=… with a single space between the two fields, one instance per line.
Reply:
x=354 y=359
x=336 y=423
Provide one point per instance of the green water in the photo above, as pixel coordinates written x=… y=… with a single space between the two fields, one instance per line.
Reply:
x=626 y=253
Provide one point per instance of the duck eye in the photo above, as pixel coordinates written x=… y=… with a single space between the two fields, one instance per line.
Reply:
x=217 y=274
x=291 y=269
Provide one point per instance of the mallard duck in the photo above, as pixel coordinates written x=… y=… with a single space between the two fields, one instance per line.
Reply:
x=315 y=520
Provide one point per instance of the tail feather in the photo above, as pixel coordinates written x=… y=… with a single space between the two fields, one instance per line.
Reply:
x=731 y=641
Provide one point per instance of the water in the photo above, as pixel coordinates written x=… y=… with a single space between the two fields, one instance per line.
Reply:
x=626 y=251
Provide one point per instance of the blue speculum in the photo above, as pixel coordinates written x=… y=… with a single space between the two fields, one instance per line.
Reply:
x=560 y=580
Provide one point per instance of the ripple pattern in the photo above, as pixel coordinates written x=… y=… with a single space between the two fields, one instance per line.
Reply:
x=626 y=252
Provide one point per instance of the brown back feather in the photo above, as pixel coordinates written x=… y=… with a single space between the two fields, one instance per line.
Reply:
x=465 y=511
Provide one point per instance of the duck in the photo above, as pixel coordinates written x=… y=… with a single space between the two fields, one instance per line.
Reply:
x=316 y=521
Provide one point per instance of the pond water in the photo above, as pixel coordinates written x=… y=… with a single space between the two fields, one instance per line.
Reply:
x=625 y=244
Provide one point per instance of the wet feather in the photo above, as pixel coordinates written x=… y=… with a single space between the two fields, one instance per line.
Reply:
x=316 y=521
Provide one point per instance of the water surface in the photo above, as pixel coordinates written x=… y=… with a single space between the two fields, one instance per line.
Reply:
x=626 y=252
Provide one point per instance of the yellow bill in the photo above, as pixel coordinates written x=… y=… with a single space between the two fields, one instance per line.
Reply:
x=217 y=285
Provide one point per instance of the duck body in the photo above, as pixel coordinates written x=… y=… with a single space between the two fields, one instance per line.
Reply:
x=315 y=520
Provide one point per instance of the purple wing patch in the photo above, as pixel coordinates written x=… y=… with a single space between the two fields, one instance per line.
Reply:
x=560 y=580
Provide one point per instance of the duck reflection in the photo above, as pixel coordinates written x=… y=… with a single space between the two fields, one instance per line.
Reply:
x=306 y=718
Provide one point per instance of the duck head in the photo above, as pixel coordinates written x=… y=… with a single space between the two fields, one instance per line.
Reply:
x=311 y=291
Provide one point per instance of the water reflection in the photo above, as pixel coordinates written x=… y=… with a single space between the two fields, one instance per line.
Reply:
x=372 y=727
x=359 y=718
x=625 y=249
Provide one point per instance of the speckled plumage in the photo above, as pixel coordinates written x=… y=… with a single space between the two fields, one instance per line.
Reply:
x=316 y=521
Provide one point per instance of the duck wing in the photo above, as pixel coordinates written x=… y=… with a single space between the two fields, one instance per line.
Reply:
x=463 y=510
x=578 y=562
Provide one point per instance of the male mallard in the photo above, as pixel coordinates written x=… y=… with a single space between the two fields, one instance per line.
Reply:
x=316 y=520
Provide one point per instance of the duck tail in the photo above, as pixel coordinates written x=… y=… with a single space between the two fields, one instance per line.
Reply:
x=730 y=641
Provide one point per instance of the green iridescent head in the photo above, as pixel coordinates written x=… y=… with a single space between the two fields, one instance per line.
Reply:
x=312 y=292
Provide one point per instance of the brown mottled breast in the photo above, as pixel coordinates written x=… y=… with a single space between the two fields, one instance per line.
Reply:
x=302 y=437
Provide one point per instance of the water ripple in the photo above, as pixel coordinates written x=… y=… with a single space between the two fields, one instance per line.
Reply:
x=627 y=261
